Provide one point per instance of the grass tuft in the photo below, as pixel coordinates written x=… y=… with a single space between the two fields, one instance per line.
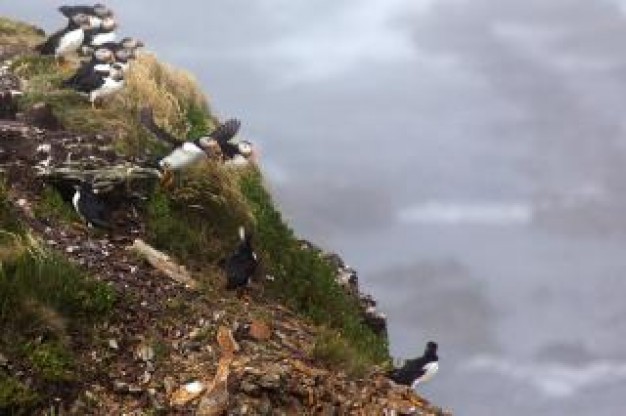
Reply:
x=197 y=221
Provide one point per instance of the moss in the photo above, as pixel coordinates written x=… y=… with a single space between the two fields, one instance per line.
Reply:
x=15 y=397
x=304 y=280
x=52 y=361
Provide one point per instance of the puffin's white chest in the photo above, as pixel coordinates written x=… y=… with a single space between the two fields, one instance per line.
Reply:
x=430 y=370
x=75 y=199
x=70 y=42
x=101 y=38
x=183 y=156
x=109 y=87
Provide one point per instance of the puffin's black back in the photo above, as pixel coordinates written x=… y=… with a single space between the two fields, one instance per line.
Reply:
x=92 y=208
x=50 y=45
x=241 y=265
x=414 y=368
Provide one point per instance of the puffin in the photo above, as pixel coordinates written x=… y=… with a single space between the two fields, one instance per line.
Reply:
x=238 y=153
x=100 y=60
x=97 y=10
x=67 y=40
x=129 y=43
x=242 y=264
x=101 y=34
x=90 y=207
x=185 y=153
x=418 y=370
x=101 y=82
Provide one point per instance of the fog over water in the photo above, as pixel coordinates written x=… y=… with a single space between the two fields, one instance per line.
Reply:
x=467 y=157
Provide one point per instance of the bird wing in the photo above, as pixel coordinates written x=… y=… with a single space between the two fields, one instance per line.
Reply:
x=90 y=82
x=84 y=70
x=226 y=131
x=94 y=210
x=146 y=118
x=49 y=46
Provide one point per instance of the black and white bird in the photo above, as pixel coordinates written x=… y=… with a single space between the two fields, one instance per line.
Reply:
x=103 y=33
x=234 y=153
x=185 y=153
x=101 y=83
x=100 y=61
x=418 y=370
x=242 y=264
x=98 y=10
x=90 y=207
x=69 y=39
x=128 y=43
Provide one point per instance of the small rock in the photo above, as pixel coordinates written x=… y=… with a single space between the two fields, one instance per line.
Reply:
x=260 y=331
x=113 y=344
x=4 y=361
x=144 y=352
x=187 y=393
x=169 y=384
x=120 y=386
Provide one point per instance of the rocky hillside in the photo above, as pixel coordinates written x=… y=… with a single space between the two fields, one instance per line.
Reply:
x=137 y=321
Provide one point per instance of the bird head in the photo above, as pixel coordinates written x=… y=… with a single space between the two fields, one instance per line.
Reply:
x=108 y=24
x=101 y=10
x=124 y=55
x=104 y=55
x=82 y=20
x=245 y=148
x=117 y=72
x=132 y=43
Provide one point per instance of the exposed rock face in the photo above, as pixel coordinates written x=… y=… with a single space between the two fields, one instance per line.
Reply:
x=348 y=278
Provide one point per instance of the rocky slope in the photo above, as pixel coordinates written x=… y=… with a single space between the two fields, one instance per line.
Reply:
x=165 y=346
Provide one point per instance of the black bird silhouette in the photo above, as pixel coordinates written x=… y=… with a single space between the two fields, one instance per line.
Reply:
x=242 y=264
x=418 y=370
x=90 y=207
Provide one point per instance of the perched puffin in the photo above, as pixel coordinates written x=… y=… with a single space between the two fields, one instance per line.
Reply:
x=242 y=264
x=101 y=82
x=131 y=44
x=67 y=40
x=101 y=34
x=185 y=153
x=100 y=60
x=90 y=208
x=418 y=370
x=98 y=10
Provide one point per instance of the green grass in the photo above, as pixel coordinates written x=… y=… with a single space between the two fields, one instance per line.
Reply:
x=52 y=206
x=305 y=281
x=197 y=221
x=52 y=361
x=15 y=397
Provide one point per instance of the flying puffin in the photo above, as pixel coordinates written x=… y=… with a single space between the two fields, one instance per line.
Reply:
x=100 y=60
x=238 y=153
x=98 y=10
x=418 y=370
x=90 y=207
x=185 y=153
x=242 y=264
x=67 y=40
x=103 y=33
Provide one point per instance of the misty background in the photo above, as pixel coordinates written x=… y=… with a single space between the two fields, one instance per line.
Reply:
x=467 y=157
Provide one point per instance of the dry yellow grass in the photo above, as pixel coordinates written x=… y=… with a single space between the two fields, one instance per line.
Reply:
x=169 y=91
x=19 y=34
